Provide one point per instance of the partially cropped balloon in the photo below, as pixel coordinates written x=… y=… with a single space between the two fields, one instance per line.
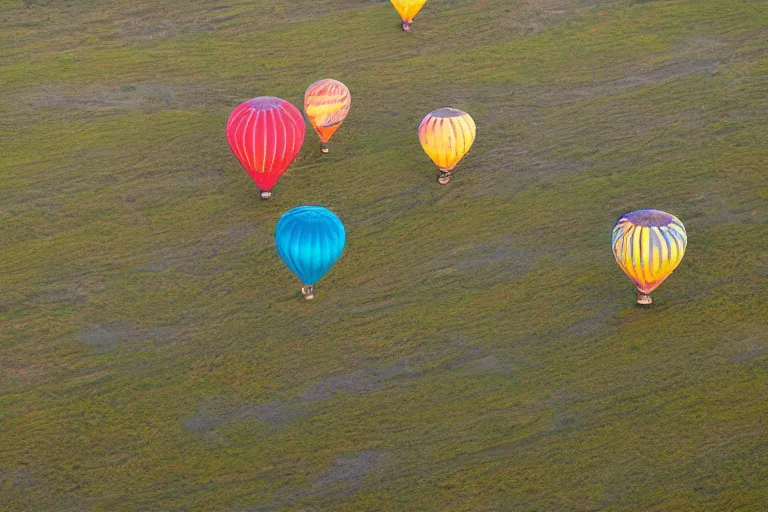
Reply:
x=408 y=9
x=265 y=134
x=648 y=246
x=309 y=240
x=446 y=135
x=326 y=104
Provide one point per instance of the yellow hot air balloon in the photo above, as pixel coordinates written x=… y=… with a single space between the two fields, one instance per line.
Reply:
x=326 y=104
x=648 y=246
x=408 y=9
x=446 y=135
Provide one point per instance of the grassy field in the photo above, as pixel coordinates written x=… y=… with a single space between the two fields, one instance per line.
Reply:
x=475 y=348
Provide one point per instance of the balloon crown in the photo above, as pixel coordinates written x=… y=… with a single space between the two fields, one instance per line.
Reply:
x=311 y=211
x=648 y=218
x=265 y=103
x=448 y=112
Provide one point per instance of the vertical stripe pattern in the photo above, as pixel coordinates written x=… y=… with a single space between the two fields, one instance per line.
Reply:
x=309 y=240
x=446 y=135
x=326 y=104
x=408 y=9
x=265 y=134
x=648 y=246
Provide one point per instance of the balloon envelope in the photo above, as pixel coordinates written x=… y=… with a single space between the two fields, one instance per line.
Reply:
x=648 y=246
x=265 y=134
x=326 y=104
x=309 y=240
x=446 y=135
x=408 y=9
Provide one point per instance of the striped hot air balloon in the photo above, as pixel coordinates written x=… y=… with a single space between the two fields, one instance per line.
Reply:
x=265 y=134
x=326 y=104
x=446 y=136
x=648 y=246
x=408 y=9
x=309 y=240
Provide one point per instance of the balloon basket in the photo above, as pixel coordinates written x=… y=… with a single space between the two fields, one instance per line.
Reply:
x=324 y=148
x=444 y=178
x=308 y=292
x=644 y=299
x=266 y=194
x=406 y=26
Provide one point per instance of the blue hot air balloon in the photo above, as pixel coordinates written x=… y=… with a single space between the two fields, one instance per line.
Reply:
x=309 y=239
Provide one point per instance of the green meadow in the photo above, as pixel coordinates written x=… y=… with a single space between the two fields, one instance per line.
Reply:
x=476 y=347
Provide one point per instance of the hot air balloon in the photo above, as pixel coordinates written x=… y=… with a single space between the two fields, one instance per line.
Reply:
x=309 y=240
x=265 y=134
x=326 y=104
x=446 y=136
x=648 y=246
x=408 y=9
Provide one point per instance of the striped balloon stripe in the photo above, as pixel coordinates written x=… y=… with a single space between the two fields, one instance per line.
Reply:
x=648 y=246
x=327 y=103
x=265 y=134
x=446 y=136
x=408 y=9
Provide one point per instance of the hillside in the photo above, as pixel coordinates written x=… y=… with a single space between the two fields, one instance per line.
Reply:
x=475 y=348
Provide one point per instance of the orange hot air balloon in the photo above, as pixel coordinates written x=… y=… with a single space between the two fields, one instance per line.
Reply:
x=446 y=135
x=408 y=9
x=326 y=104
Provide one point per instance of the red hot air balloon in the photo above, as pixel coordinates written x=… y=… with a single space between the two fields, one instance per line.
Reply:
x=265 y=134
